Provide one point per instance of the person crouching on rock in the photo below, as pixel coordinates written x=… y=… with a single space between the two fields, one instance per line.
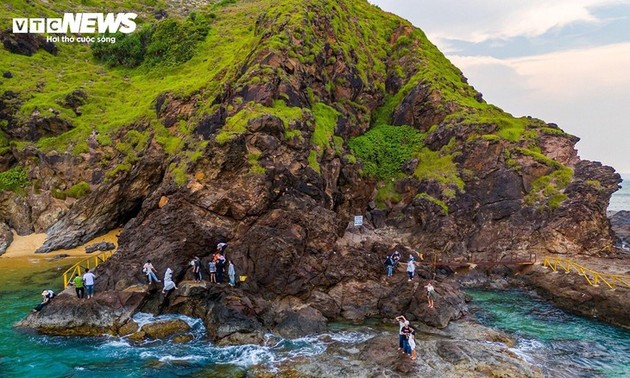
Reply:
x=47 y=296
x=168 y=281
x=150 y=271
x=396 y=257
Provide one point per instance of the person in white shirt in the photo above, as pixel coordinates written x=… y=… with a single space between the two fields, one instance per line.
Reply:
x=411 y=268
x=168 y=281
x=231 y=273
x=150 y=271
x=88 y=281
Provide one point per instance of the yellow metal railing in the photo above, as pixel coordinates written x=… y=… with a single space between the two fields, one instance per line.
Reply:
x=89 y=263
x=592 y=277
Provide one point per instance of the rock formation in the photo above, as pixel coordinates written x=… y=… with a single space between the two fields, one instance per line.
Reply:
x=271 y=137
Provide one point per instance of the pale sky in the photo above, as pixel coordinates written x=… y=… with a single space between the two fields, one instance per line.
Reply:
x=563 y=61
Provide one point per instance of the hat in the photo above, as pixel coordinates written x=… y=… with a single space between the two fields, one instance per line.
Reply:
x=45 y=292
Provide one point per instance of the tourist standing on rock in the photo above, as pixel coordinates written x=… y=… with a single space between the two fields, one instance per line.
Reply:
x=396 y=257
x=402 y=321
x=168 y=281
x=411 y=268
x=220 y=267
x=231 y=273
x=88 y=281
x=196 y=264
x=411 y=339
x=405 y=331
x=47 y=296
x=212 y=269
x=389 y=264
x=431 y=295
x=150 y=271
x=78 y=286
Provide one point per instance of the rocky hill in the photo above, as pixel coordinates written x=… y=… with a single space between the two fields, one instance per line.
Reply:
x=269 y=125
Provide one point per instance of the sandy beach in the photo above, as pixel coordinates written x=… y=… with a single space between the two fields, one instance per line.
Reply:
x=21 y=266
x=26 y=245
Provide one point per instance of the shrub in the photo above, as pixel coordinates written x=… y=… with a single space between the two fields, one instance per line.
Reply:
x=128 y=51
x=14 y=179
x=168 y=42
x=384 y=149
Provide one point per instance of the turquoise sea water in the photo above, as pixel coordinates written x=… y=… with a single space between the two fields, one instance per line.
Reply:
x=25 y=354
x=620 y=200
x=561 y=344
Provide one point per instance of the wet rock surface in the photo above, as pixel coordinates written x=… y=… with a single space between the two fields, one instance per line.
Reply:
x=165 y=329
x=69 y=316
x=620 y=222
x=572 y=292
x=284 y=203
x=461 y=350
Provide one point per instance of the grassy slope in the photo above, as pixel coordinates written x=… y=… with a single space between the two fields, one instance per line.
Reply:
x=357 y=32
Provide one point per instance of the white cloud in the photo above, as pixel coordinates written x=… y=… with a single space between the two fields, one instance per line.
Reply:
x=570 y=74
x=584 y=91
x=479 y=21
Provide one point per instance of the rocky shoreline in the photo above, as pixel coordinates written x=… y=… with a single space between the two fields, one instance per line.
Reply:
x=461 y=349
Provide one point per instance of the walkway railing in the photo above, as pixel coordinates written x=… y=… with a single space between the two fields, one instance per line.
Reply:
x=89 y=263
x=592 y=277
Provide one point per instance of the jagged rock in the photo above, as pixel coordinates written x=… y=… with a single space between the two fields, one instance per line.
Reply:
x=16 y=212
x=26 y=43
x=165 y=329
x=182 y=339
x=75 y=99
x=6 y=238
x=130 y=327
x=299 y=320
x=37 y=127
x=620 y=223
x=102 y=246
x=571 y=291
x=137 y=336
x=106 y=207
x=67 y=315
x=270 y=170
x=7 y=75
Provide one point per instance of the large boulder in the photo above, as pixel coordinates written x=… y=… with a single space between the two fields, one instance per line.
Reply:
x=165 y=329
x=6 y=238
x=67 y=315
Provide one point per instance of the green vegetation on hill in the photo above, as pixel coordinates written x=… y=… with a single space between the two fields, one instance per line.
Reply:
x=169 y=42
x=384 y=149
x=14 y=180
x=210 y=57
